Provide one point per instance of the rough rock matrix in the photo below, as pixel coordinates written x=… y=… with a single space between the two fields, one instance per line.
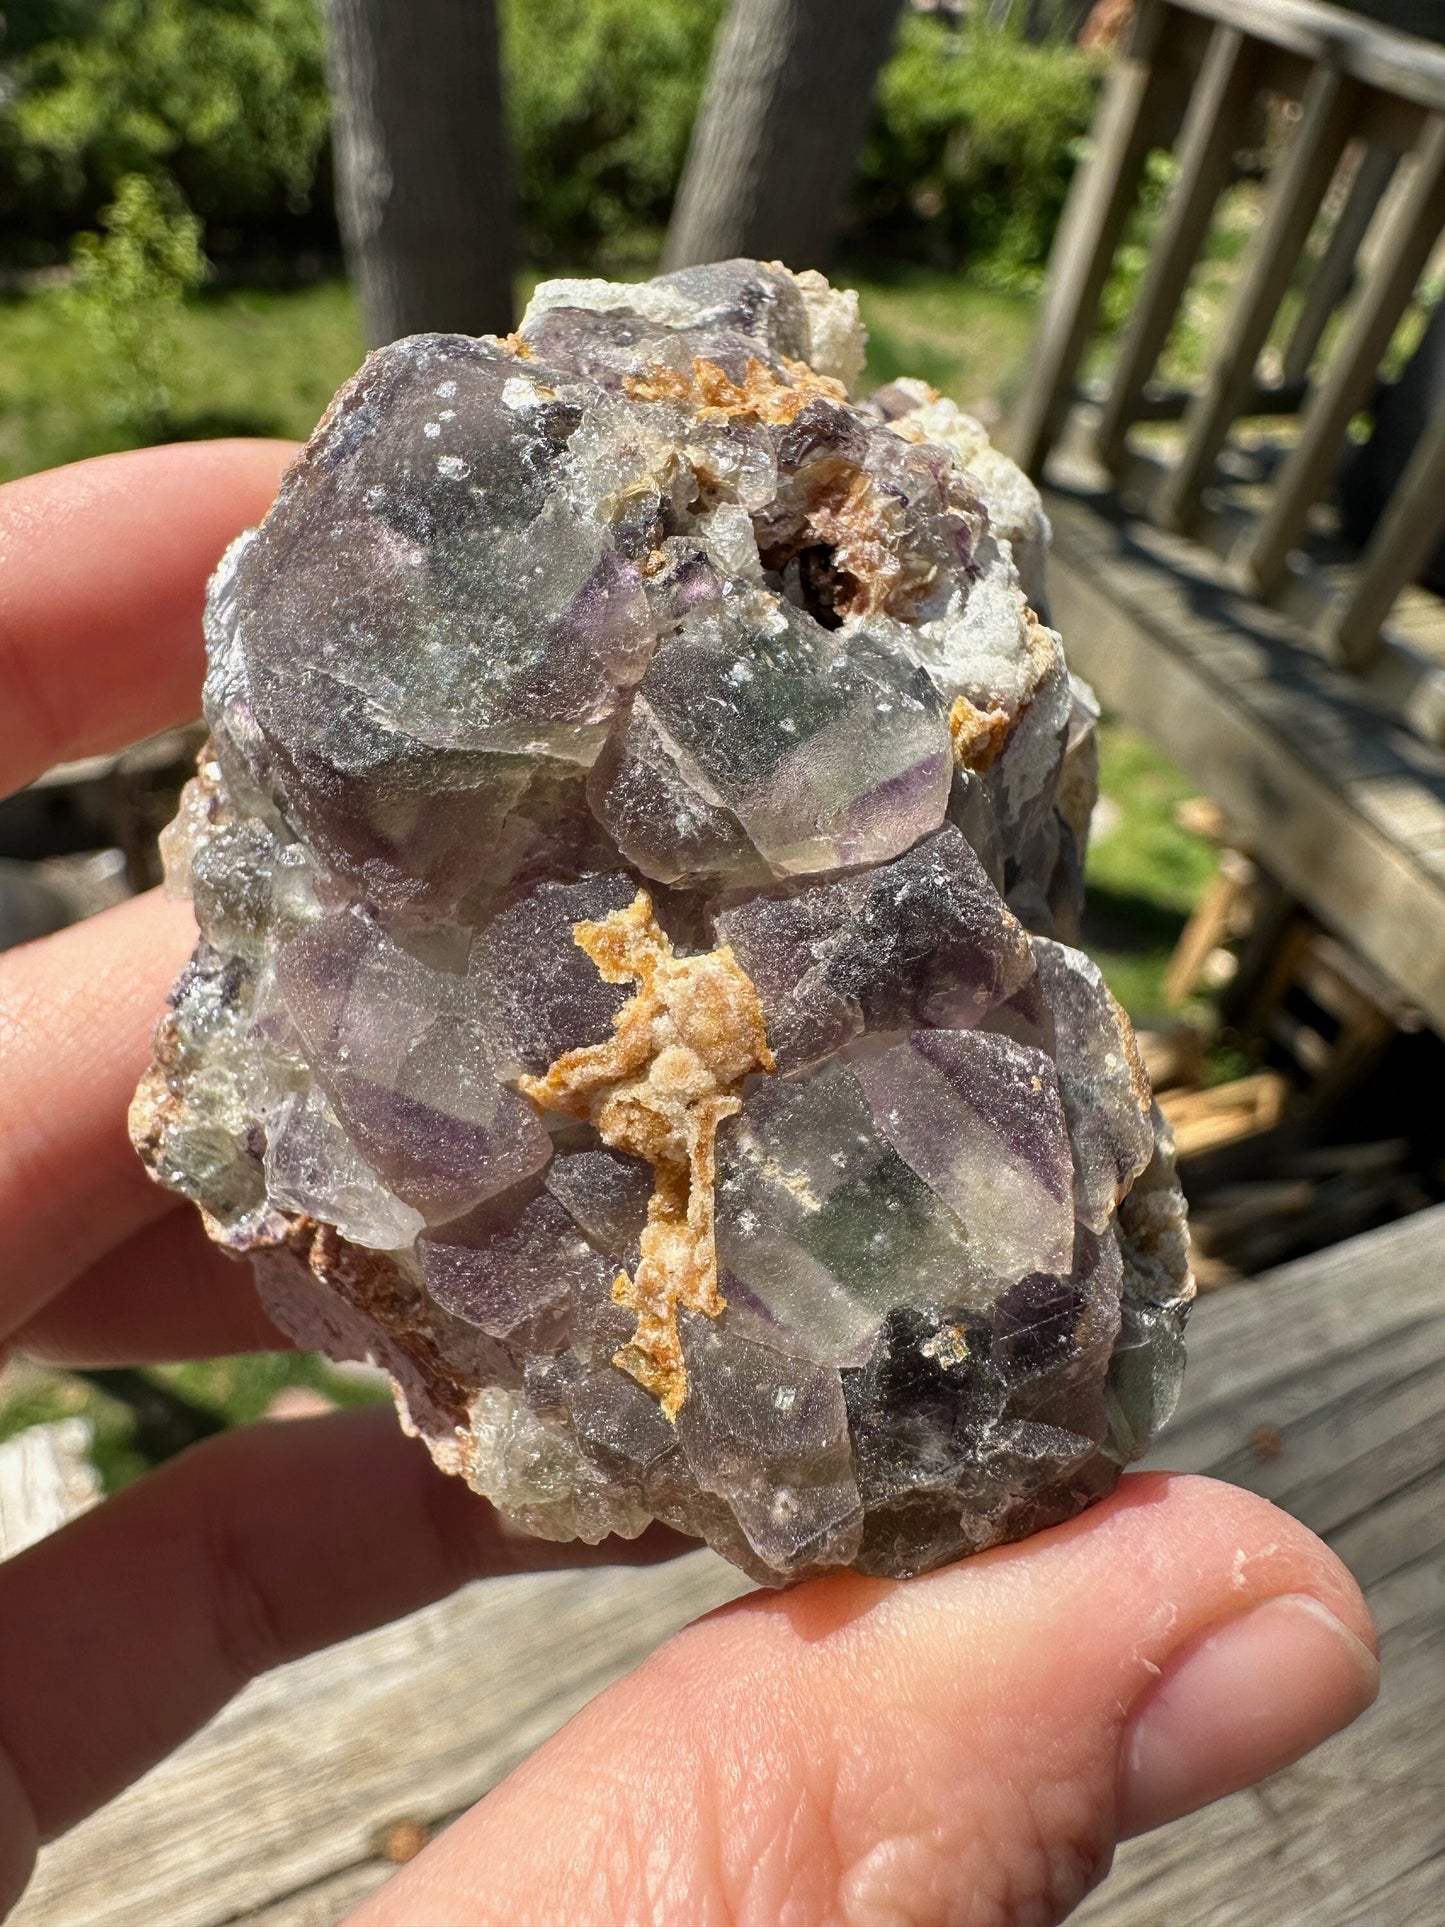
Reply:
x=636 y=862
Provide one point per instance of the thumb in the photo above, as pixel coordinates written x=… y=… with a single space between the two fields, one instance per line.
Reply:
x=949 y=1751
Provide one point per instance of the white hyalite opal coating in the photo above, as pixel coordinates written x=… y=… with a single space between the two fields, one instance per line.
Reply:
x=636 y=863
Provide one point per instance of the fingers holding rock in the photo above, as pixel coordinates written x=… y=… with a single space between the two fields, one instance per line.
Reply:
x=76 y=1015
x=954 y=1749
x=103 y=569
x=128 y=1628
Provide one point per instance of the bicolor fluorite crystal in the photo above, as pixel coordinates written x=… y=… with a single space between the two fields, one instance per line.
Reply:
x=636 y=864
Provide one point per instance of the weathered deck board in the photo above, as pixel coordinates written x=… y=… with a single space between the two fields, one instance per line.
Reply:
x=45 y=1479
x=1346 y=802
x=326 y=1903
x=290 y=1787
x=270 y=1818
x=1343 y=1355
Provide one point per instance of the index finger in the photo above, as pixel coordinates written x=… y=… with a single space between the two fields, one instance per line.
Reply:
x=103 y=569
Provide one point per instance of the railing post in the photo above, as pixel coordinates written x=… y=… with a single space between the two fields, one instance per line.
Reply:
x=1412 y=522
x=1295 y=192
x=1206 y=151
x=1412 y=230
x=1099 y=200
x=1332 y=278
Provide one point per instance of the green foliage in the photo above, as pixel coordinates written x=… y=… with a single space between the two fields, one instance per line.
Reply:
x=130 y=283
x=227 y=97
x=974 y=138
x=33 y=1395
x=267 y=360
x=249 y=361
x=974 y=141
x=601 y=99
x=238 y=1390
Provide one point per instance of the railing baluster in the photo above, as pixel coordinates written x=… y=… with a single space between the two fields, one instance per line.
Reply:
x=1413 y=520
x=1206 y=152
x=1412 y=229
x=1331 y=281
x=1093 y=219
x=1295 y=191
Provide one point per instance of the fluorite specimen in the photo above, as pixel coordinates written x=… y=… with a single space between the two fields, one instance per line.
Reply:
x=635 y=862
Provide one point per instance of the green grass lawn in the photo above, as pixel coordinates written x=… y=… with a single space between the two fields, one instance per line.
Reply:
x=260 y=362
x=970 y=341
x=235 y=1391
x=246 y=362
x=1145 y=872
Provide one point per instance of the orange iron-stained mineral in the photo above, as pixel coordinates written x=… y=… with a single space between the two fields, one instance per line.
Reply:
x=658 y=1088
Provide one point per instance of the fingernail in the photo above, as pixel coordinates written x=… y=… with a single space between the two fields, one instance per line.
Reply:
x=1246 y=1700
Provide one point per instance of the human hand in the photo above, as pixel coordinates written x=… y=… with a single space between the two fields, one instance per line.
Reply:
x=959 y=1749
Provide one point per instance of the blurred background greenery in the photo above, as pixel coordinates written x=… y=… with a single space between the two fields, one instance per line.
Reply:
x=975 y=132
x=151 y=150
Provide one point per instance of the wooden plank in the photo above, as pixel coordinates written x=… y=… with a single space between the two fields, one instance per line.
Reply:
x=1408 y=530
x=1293 y=197
x=1221 y=1113
x=324 y=1905
x=45 y=1479
x=1155 y=402
x=1421 y=617
x=1406 y=673
x=1413 y=1895
x=1394 y=1532
x=1342 y=1311
x=1302 y=1381
x=1128 y=122
x=1210 y=924
x=1409 y=812
x=289 y=1786
x=1211 y=131
x=1412 y=232
x=1257 y=1862
x=1411 y=1596
x=1405 y=679
x=1353 y=1835
x=1270 y=751
x=1396 y=63
x=1347 y=1459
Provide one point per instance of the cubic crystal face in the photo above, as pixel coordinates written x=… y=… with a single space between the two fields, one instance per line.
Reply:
x=635 y=863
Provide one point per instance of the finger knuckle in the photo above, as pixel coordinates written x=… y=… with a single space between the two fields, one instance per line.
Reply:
x=963 y=1853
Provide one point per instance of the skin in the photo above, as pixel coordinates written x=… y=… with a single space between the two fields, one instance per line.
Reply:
x=961 y=1750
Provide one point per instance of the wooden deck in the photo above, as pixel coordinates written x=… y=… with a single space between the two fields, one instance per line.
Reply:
x=1322 y=1385
x=1205 y=579
x=1344 y=803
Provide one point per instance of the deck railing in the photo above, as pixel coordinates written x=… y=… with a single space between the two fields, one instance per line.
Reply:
x=1359 y=170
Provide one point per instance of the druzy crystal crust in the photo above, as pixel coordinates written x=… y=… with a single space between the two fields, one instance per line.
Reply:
x=636 y=863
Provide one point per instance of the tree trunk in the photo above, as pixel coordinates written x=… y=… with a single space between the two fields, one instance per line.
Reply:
x=424 y=190
x=779 y=130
